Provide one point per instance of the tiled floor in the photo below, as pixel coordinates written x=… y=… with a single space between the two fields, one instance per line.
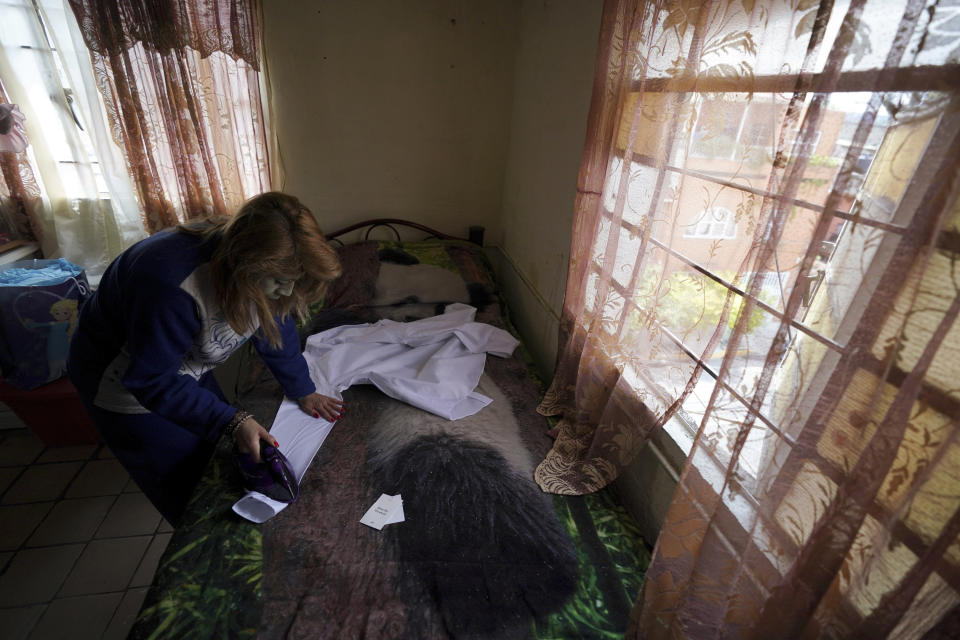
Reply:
x=79 y=543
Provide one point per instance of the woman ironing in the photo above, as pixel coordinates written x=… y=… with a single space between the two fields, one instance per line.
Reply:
x=175 y=305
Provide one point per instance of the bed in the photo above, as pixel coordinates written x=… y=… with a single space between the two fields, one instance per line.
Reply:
x=482 y=552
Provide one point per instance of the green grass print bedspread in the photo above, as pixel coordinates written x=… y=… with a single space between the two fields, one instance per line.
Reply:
x=209 y=582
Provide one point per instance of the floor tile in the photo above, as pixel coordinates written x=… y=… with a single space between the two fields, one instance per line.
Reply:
x=126 y=614
x=19 y=447
x=80 y=618
x=148 y=565
x=105 y=453
x=72 y=520
x=131 y=515
x=99 y=478
x=106 y=565
x=10 y=420
x=17 y=623
x=63 y=454
x=8 y=475
x=42 y=482
x=79 y=542
x=19 y=521
x=35 y=575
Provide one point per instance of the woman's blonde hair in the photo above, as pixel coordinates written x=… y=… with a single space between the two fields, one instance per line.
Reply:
x=272 y=235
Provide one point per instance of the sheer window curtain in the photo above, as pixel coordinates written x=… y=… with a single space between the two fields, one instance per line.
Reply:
x=69 y=189
x=19 y=193
x=765 y=254
x=183 y=91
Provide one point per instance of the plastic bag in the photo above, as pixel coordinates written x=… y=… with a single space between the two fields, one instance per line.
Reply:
x=39 y=308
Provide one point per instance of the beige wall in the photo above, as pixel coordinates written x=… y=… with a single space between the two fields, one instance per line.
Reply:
x=446 y=112
x=388 y=108
x=551 y=98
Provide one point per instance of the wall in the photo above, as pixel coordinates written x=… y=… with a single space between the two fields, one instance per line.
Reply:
x=448 y=113
x=551 y=99
x=389 y=108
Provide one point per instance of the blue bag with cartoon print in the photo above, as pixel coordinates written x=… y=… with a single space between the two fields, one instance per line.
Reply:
x=39 y=305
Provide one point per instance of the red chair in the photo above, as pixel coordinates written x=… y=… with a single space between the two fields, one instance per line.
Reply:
x=52 y=412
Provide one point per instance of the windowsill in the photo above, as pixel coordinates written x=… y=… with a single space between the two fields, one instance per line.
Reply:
x=672 y=445
x=680 y=435
x=22 y=252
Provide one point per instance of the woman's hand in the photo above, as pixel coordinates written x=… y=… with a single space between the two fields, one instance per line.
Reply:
x=320 y=406
x=249 y=435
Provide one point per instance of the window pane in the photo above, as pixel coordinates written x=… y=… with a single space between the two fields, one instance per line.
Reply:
x=628 y=252
x=712 y=223
x=849 y=432
x=804 y=367
x=685 y=302
x=853 y=258
x=736 y=138
x=719 y=431
x=804 y=503
x=892 y=168
x=640 y=191
x=699 y=214
x=27 y=51
x=661 y=374
x=787 y=35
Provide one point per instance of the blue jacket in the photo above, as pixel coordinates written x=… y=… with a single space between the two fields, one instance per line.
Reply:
x=153 y=328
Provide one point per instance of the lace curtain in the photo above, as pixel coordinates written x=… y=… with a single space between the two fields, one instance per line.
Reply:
x=182 y=88
x=765 y=260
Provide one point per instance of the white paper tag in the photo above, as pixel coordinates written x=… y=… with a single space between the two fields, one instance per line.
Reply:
x=386 y=510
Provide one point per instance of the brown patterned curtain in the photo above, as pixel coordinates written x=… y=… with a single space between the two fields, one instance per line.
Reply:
x=766 y=261
x=182 y=89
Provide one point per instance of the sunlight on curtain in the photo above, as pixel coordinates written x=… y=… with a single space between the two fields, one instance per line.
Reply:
x=182 y=87
x=765 y=255
x=83 y=208
x=20 y=199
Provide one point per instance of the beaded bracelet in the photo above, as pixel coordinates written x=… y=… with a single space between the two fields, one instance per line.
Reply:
x=238 y=418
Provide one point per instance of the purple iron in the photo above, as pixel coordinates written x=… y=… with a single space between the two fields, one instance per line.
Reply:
x=272 y=477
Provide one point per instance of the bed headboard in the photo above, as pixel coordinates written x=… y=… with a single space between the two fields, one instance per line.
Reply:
x=475 y=232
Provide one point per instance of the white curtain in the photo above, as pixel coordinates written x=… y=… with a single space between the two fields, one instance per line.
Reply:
x=90 y=213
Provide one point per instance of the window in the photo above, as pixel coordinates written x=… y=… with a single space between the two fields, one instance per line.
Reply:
x=713 y=188
x=813 y=359
x=26 y=36
x=833 y=294
x=86 y=207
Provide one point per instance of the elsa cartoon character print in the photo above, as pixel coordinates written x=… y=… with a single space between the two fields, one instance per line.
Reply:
x=59 y=331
